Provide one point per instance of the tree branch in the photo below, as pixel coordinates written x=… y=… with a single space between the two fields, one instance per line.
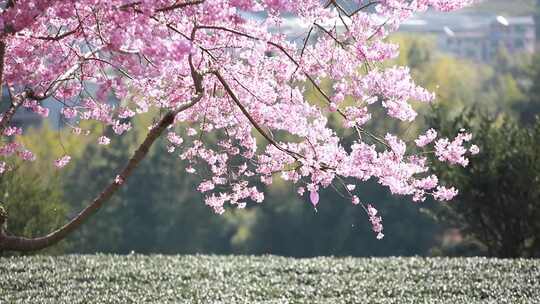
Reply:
x=7 y=116
x=169 y=8
x=59 y=36
x=17 y=99
x=2 y=60
x=179 y=5
x=254 y=123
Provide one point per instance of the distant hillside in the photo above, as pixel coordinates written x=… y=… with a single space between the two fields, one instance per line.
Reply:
x=506 y=7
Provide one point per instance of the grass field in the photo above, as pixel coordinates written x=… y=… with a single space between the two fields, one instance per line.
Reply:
x=267 y=279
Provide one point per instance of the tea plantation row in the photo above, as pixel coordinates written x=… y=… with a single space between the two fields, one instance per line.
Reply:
x=267 y=279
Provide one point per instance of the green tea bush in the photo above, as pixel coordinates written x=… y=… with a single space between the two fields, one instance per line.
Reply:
x=266 y=279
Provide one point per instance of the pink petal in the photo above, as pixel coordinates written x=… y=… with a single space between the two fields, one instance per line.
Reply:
x=314 y=197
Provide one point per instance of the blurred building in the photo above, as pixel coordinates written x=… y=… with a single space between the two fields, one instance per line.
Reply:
x=476 y=36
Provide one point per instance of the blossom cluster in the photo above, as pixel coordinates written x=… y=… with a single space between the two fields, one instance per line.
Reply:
x=237 y=85
x=376 y=221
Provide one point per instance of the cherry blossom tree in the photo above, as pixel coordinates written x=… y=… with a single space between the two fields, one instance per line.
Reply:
x=227 y=69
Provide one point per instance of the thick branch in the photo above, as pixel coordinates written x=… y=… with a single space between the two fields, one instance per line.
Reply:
x=251 y=119
x=179 y=5
x=169 y=8
x=2 y=56
x=283 y=50
x=291 y=58
x=17 y=99
x=7 y=116
x=59 y=36
x=356 y=11
x=256 y=125
x=31 y=244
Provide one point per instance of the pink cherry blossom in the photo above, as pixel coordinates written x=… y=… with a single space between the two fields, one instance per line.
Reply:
x=474 y=149
x=69 y=112
x=10 y=131
x=314 y=198
x=445 y=194
x=206 y=186
x=27 y=155
x=426 y=138
x=453 y=151
x=104 y=140
x=62 y=161
x=119 y=128
x=174 y=139
x=376 y=221
x=119 y=180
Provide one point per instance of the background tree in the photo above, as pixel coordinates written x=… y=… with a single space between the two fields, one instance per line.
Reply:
x=32 y=207
x=33 y=194
x=499 y=203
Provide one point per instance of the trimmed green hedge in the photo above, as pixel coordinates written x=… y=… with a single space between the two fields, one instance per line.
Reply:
x=266 y=279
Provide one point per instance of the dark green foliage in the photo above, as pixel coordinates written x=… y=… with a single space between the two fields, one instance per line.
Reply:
x=266 y=279
x=499 y=201
x=288 y=225
x=33 y=207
